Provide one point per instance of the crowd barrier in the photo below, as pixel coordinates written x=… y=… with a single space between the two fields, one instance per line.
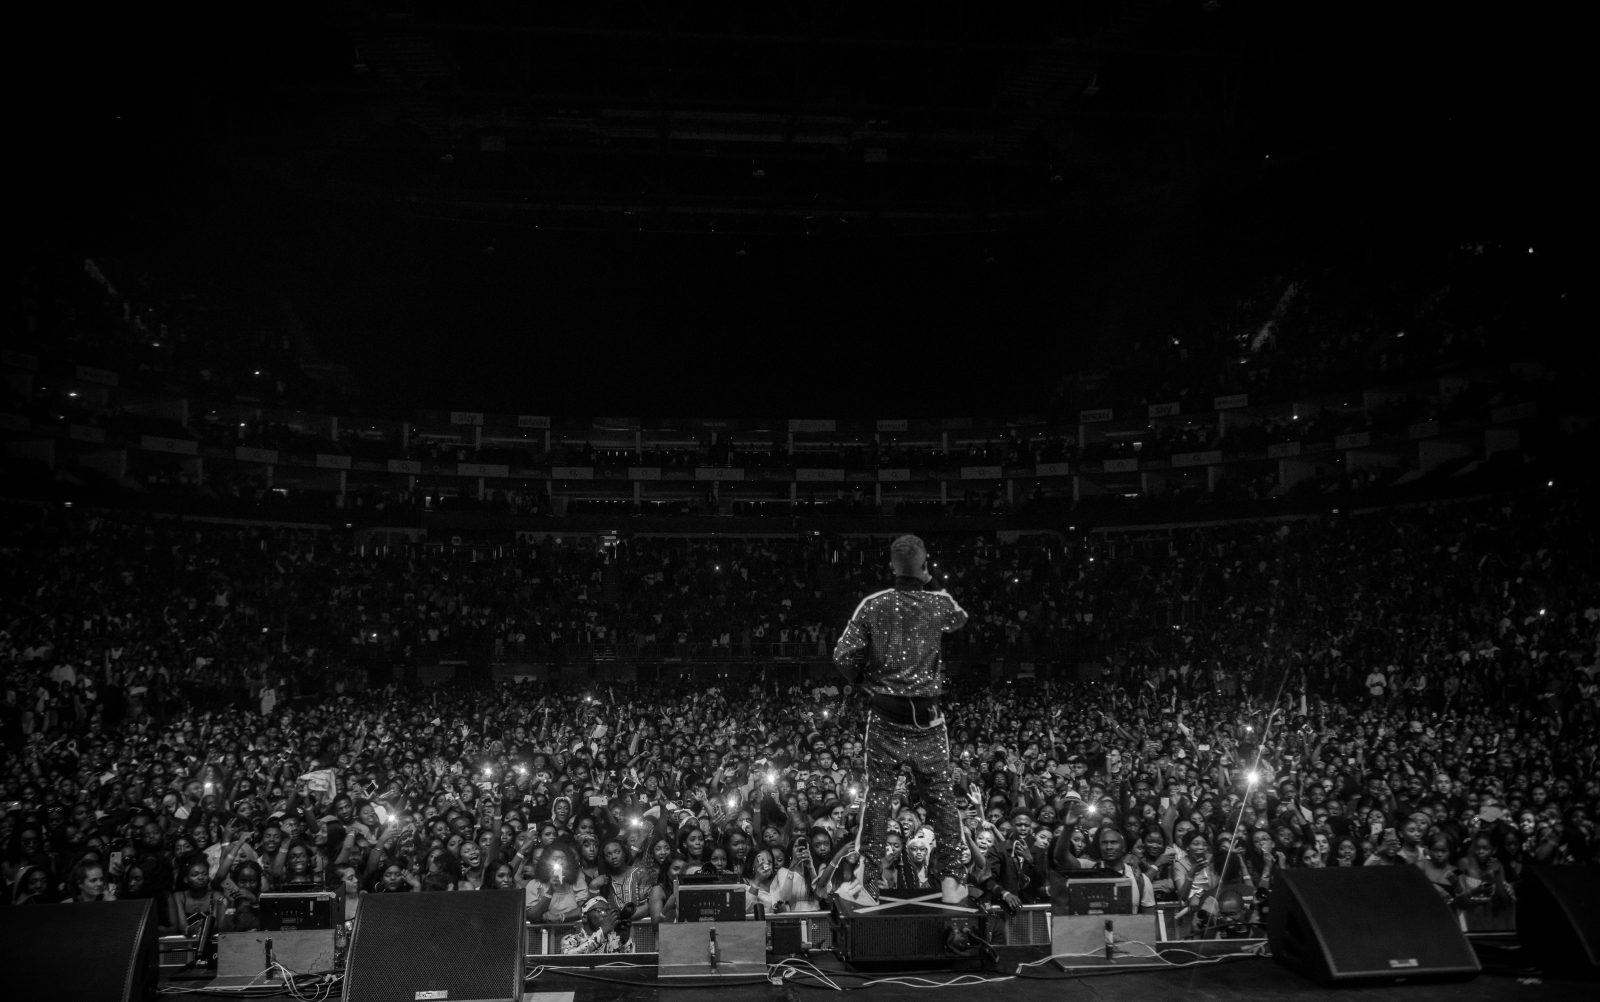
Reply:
x=1032 y=925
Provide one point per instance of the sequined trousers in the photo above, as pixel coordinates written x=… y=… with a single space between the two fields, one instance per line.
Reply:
x=927 y=749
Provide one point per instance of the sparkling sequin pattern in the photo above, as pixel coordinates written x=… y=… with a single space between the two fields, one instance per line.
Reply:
x=893 y=641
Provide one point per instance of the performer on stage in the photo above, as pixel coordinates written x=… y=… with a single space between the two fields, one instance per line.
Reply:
x=890 y=649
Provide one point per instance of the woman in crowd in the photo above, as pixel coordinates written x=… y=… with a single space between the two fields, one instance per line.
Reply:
x=1510 y=853
x=611 y=870
x=1262 y=859
x=475 y=867
x=919 y=852
x=441 y=870
x=29 y=850
x=662 y=905
x=503 y=878
x=1157 y=857
x=776 y=888
x=1322 y=843
x=692 y=845
x=1194 y=876
x=193 y=900
x=235 y=849
x=34 y=887
x=741 y=855
x=300 y=862
x=348 y=886
x=1229 y=877
x=1482 y=893
x=396 y=877
x=240 y=892
x=644 y=874
x=1182 y=828
x=1438 y=866
x=804 y=874
x=1346 y=852
x=588 y=855
x=327 y=841
x=556 y=893
x=88 y=883
x=891 y=868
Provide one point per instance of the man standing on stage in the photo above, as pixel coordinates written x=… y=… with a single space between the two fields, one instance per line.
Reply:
x=890 y=649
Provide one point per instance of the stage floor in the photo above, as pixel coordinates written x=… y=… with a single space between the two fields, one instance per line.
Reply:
x=1236 y=979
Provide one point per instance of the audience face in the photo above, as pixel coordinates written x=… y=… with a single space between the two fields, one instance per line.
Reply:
x=394 y=877
x=93 y=885
x=196 y=877
x=661 y=851
x=37 y=885
x=1112 y=848
x=1345 y=852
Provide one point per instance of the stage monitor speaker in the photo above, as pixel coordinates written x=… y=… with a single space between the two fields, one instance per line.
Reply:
x=687 y=950
x=905 y=933
x=104 y=950
x=1366 y=925
x=1558 y=918
x=437 y=946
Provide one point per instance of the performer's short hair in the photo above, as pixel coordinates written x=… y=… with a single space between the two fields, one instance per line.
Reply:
x=907 y=555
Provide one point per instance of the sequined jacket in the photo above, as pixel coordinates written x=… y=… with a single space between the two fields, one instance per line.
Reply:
x=891 y=644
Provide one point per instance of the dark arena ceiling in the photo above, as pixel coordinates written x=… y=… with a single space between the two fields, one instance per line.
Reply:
x=775 y=206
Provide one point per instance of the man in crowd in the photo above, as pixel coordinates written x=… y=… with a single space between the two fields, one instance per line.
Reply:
x=1114 y=858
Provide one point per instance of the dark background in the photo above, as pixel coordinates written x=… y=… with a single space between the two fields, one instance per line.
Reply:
x=239 y=153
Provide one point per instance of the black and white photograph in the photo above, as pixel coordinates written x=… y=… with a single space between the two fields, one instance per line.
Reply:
x=624 y=501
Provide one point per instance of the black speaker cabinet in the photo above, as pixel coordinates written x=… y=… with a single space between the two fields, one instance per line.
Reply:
x=904 y=934
x=105 y=950
x=1558 y=918
x=1366 y=925
x=437 y=946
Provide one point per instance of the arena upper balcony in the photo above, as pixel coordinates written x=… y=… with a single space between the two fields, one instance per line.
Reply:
x=80 y=424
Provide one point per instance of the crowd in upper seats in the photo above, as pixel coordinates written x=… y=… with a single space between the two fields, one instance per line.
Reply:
x=185 y=719
x=1294 y=338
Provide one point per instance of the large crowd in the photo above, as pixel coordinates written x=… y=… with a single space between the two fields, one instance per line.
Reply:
x=184 y=718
